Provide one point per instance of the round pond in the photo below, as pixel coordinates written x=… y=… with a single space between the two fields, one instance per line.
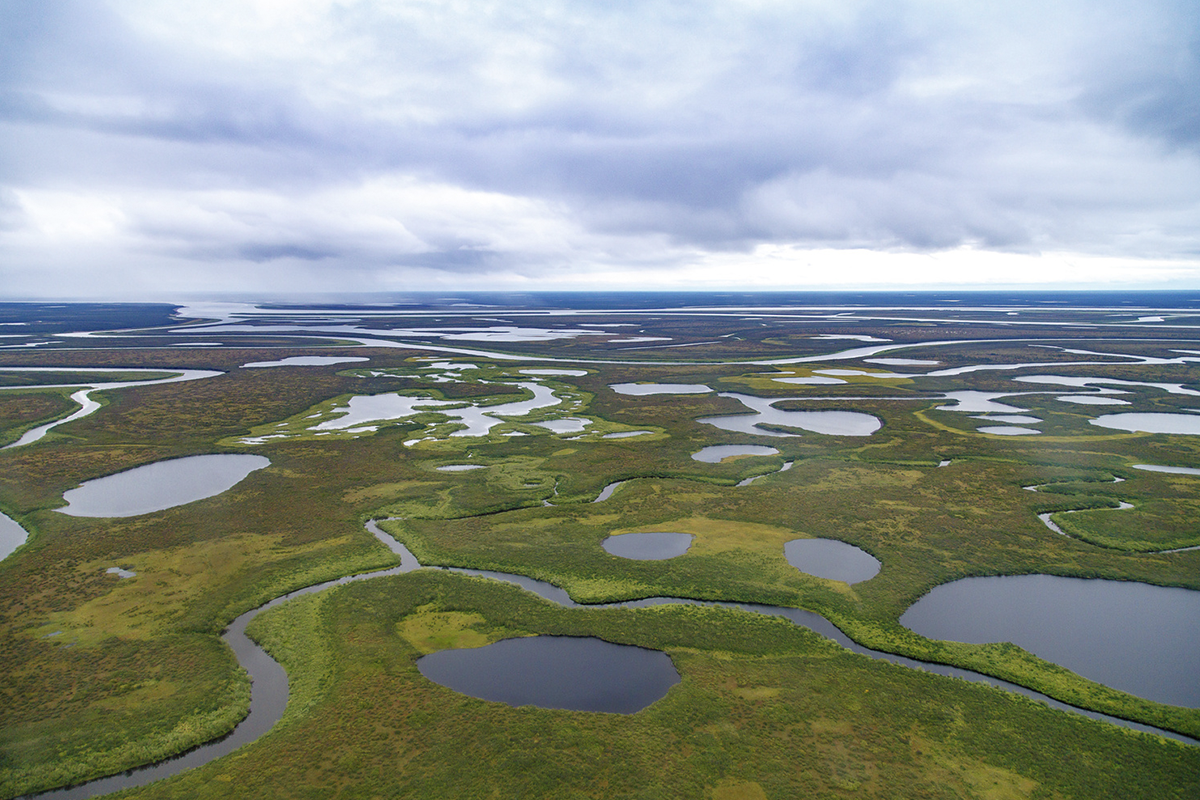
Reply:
x=654 y=546
x=164 y=484
x=831 y=559
x=575 y=673
x=1131 y=636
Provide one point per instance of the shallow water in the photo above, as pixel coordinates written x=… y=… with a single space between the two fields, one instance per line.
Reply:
x=625 y=434
x=12 y=536
x=643 y=389
x=1005 y=430
x=1091 y=400
x=903 y=362
x=305 y=361
x=1131 y=636
x=715 y=454
x=832 y=423
x=460 y=467
x=567 y=425
x=1188 y=424
x=574 y=673
x=974 y=402
x=831 y=559
x=1011 y=419
x=814 y=380
x=479 y=420
x=161 y=485
x=1065 y=380
x=269 y=687
x=1172 y=470
x=654 y=546
x=570 y=373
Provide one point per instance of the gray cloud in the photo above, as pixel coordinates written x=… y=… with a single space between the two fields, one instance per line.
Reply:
x=525 y=138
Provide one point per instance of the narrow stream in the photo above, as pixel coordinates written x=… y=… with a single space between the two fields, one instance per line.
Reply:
x=269 y=690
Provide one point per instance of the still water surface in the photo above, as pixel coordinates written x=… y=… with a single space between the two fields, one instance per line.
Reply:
x=715 y=454
x=1151 y=423
x=12 y=536
x=164 y=484
x=653 y=546
x=831 y=559
x=1132 y=636
x=831 y=423
x=575 y=673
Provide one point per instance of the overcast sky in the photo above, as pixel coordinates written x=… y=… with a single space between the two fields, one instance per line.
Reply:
x=150 y=150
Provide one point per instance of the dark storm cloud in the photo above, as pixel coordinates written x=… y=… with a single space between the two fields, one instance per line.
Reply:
x=520 y=137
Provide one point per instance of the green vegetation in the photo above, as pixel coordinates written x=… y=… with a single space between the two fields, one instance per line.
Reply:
x=762 y=704
x=102 y=674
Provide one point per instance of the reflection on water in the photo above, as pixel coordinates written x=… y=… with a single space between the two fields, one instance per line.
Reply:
x=654 y=546
x=1131 y=636
x=161 y=485
x=12 y=536
x=833 y=423
x=305 y=361
x=574 y=673
x=1091 y=400
x=974 y=402
x=1172 y=470
x=831 y=559
x=1007 y=430
x=642 y=389
x=566 y=425
x=1188 y=424
x=714 y=454
x=571 y=373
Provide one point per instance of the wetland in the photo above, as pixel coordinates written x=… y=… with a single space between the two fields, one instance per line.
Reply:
x=117 y=630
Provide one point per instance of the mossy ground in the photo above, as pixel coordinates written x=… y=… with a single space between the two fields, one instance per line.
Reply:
x=135 y=671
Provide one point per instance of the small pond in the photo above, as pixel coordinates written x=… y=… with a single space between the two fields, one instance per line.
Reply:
x=643 y=389
x=164 y=484
x=812 y=380
x=655 y=546
x=1012 y=419
x=575 y=673
x=12 y=536
x=566 y=425
x=1131 y=636
x=717 y=453
x=460 y=467
x=1151 y=423
x=1007 y=430
x=831 y=559
x=624 y=434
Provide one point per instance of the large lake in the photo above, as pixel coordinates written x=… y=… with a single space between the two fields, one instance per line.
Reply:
x=575 y=673
x=1139 y=638
x=164 y=484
